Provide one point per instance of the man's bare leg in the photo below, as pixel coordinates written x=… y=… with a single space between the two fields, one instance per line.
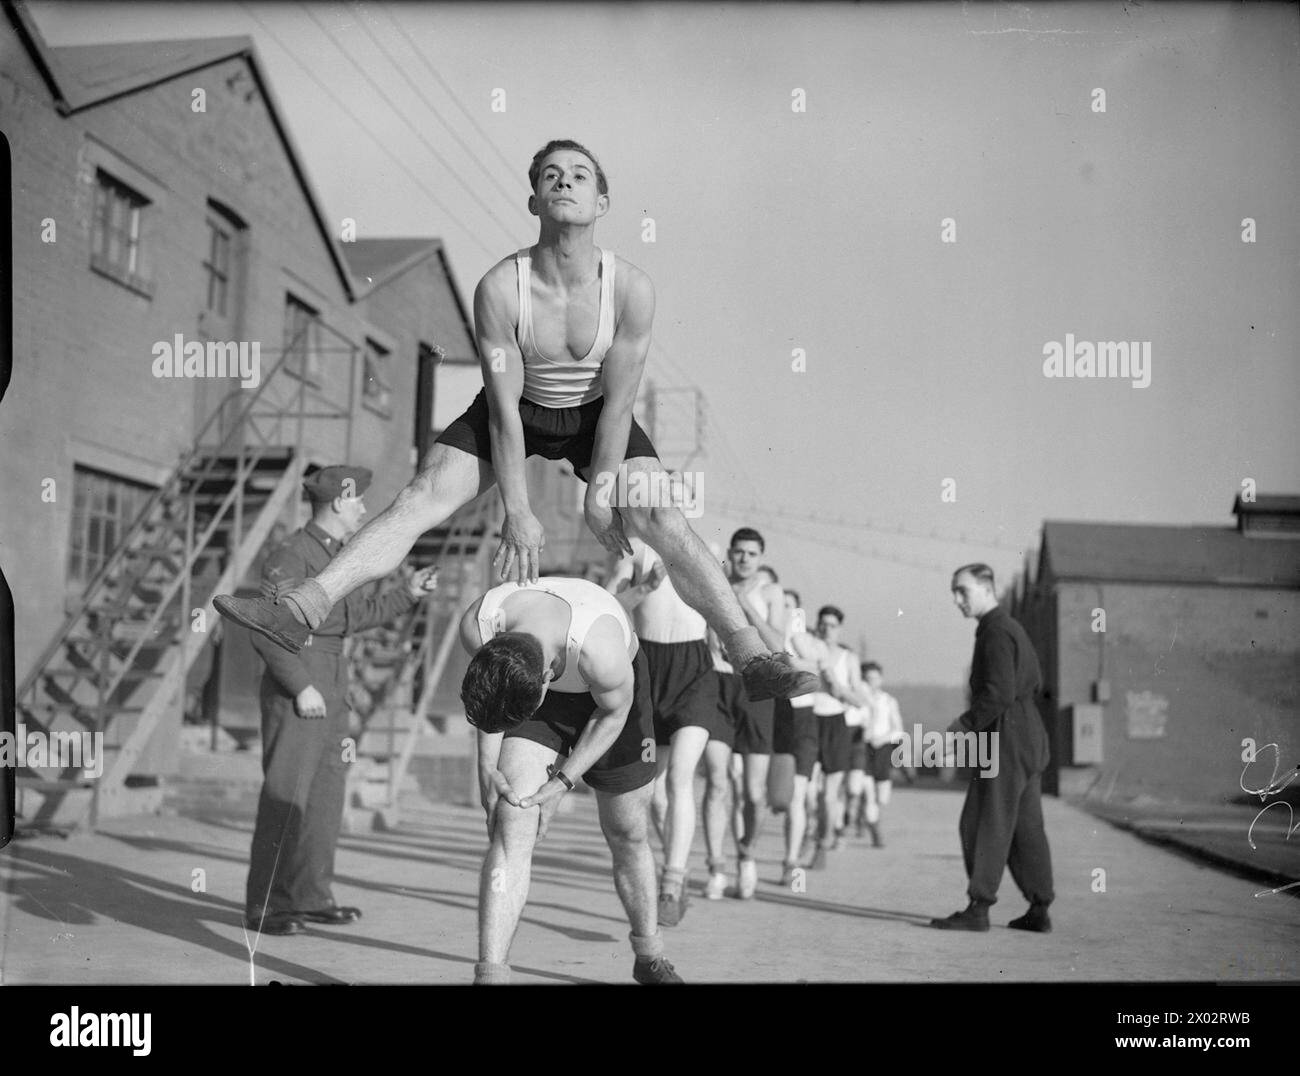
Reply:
x=659 y=798
x=832 y=814
x=701 y=584
x=689 y=743
x=451 y=480
x=507 y=867
x=623 y=821
x=796 y=825
x=717 y=761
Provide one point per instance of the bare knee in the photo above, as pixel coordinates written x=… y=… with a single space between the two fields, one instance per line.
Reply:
x=515 y=831
x=625 y=834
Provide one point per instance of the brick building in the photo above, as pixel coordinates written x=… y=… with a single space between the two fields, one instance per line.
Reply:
x=160 y=205
x=1164 y=647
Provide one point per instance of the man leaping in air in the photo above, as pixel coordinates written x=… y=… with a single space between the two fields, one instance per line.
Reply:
x=563 y=329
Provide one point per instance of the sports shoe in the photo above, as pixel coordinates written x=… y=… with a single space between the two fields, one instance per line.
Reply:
x=877 y=841
x=774 y=676
x=270 y=619
x=818 y=860
x=1035 y=920
x=972 y=917
x=716 y=887
x=747 y=883
x=654 y=972
x=787 y=874
x=671 y=909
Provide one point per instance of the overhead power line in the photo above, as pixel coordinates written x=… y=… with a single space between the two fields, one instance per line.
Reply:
x=452 y=217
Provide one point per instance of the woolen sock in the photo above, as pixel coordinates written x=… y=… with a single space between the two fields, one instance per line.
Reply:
x=308 y=602
x=486 y=973
x=651 y=948
x=743 y=645
x=672 y=881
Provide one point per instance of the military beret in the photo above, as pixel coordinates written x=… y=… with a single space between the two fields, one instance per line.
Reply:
x=338 y=481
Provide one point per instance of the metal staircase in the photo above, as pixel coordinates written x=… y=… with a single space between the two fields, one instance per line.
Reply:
x=117 y=665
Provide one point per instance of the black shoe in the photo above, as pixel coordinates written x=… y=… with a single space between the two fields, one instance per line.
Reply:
x=774 y=675
x=333 y=917
x=268 y=618
x=654 y=972
x=972 y=917
x=275 y=923
x=1035 y=920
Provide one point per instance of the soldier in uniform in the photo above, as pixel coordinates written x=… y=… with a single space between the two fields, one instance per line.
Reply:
x=305 y=719
x=1002 y=820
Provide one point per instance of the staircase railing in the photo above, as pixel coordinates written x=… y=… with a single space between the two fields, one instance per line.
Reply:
x=208 y=455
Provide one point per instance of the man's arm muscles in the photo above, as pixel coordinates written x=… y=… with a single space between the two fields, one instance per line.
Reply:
x=503 y=379
x=621 y=376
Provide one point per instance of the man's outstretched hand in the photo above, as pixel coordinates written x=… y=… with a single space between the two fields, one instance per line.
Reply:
x=607 y=525
x=519 y=555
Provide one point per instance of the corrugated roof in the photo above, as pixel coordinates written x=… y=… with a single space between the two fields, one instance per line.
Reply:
x=1124 y=552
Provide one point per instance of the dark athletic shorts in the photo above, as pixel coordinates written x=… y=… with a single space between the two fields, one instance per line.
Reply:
x=553 y=432
x=744 y=725
x=794 y=732
x=563 y=715
x=683 y=687
x=834 y=744
x=880 y=761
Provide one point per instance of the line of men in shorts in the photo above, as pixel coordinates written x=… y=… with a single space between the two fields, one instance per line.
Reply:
x=822 y=760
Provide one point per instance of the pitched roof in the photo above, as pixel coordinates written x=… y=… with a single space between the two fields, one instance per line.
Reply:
x=82 y=76
x=377 y=262
x=91 y=74
x=374 y=262
x=1139 y=553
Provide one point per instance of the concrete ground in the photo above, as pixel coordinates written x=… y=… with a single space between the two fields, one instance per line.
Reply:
x=159 y=899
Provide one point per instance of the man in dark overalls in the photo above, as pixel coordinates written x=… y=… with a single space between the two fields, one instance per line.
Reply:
x=1002 y=820
x=305 y=719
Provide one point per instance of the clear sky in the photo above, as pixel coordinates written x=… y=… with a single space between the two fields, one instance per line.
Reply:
x=821 y=230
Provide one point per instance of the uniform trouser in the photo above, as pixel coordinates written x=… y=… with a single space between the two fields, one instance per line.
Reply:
x=300 y=809
x=1002 y=826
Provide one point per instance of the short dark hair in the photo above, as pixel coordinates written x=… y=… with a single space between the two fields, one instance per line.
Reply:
x=748 y=534
x=834 y=611
x=795 y=595
x=770 y=571
x=872 y=666
x=503 y=684
x=982 y=573
x=555 y=144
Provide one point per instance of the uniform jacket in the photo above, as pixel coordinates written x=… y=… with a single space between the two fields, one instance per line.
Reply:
x=303 y=555
x=1004 y=677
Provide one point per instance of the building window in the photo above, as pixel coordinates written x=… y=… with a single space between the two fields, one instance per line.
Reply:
x=115 y=245
x=103 y=509
x=218 y=266
x=302 y=340
x=376 y=387
x=222 y=261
